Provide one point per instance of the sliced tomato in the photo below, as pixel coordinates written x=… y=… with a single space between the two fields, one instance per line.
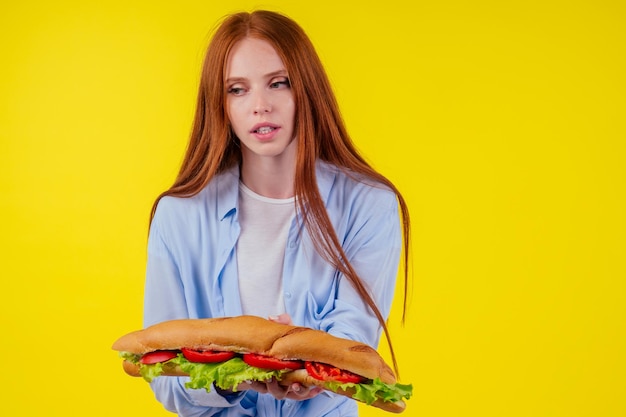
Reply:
x=325 y=372
x=158 y=356
x=207 y=356
x=267 y=362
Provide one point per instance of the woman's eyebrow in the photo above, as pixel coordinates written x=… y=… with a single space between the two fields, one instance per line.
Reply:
x=276 y=73
x=280 y=72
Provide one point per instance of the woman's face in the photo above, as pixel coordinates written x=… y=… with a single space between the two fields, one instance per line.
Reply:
x=259 y=101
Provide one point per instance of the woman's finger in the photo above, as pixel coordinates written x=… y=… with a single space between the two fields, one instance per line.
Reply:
x=282 y=319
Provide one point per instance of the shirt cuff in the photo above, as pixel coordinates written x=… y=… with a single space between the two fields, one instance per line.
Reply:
x=231 y=396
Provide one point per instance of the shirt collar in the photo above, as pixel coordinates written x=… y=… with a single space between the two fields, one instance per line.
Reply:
x=228 y=186
x=227 y=191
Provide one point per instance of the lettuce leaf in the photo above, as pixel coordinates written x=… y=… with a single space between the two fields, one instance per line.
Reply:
x=370 y=392
x=130 y=357
x=226 y=375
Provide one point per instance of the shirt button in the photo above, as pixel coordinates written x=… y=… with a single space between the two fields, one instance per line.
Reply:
x=292 y=244
x=287 y=295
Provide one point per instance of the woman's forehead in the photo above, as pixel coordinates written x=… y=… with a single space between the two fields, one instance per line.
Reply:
x=253 y=57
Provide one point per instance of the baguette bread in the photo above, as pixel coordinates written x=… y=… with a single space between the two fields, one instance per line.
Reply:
x=251 y=334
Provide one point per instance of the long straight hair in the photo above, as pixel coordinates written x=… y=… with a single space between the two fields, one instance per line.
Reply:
x=319 y=130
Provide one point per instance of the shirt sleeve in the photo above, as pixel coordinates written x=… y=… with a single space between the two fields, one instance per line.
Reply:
x=165 y=300
x=373 y=244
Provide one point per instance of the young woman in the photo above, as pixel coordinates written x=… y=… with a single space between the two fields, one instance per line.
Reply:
x=273 y=213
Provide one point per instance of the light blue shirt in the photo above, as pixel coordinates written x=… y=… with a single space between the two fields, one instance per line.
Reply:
x=192 y=273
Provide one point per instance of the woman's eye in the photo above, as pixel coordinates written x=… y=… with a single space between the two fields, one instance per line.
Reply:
x=280 y=83
x=237 y=91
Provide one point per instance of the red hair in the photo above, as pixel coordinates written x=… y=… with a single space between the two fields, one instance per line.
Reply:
x=319 y=130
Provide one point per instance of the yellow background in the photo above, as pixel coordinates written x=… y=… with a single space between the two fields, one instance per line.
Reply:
x=501 y=121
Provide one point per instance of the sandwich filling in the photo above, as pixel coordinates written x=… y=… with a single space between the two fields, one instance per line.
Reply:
x=229 y=374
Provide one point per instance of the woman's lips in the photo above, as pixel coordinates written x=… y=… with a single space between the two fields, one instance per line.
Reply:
x=265 y=131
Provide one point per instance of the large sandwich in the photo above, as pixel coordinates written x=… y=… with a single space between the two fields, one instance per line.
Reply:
x=228 y=351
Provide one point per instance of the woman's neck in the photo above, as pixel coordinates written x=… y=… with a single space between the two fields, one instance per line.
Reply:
x=269 y=177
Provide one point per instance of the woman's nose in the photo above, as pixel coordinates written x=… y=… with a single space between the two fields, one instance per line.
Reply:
x=261 y=104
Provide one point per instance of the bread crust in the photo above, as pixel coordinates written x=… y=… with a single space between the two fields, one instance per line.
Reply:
x=223 y=333
x=251 y=334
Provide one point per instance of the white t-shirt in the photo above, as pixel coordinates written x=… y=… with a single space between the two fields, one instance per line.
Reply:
x=265 y=225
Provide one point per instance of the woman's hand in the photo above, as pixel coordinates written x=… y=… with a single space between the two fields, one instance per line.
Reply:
x=295 y=391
